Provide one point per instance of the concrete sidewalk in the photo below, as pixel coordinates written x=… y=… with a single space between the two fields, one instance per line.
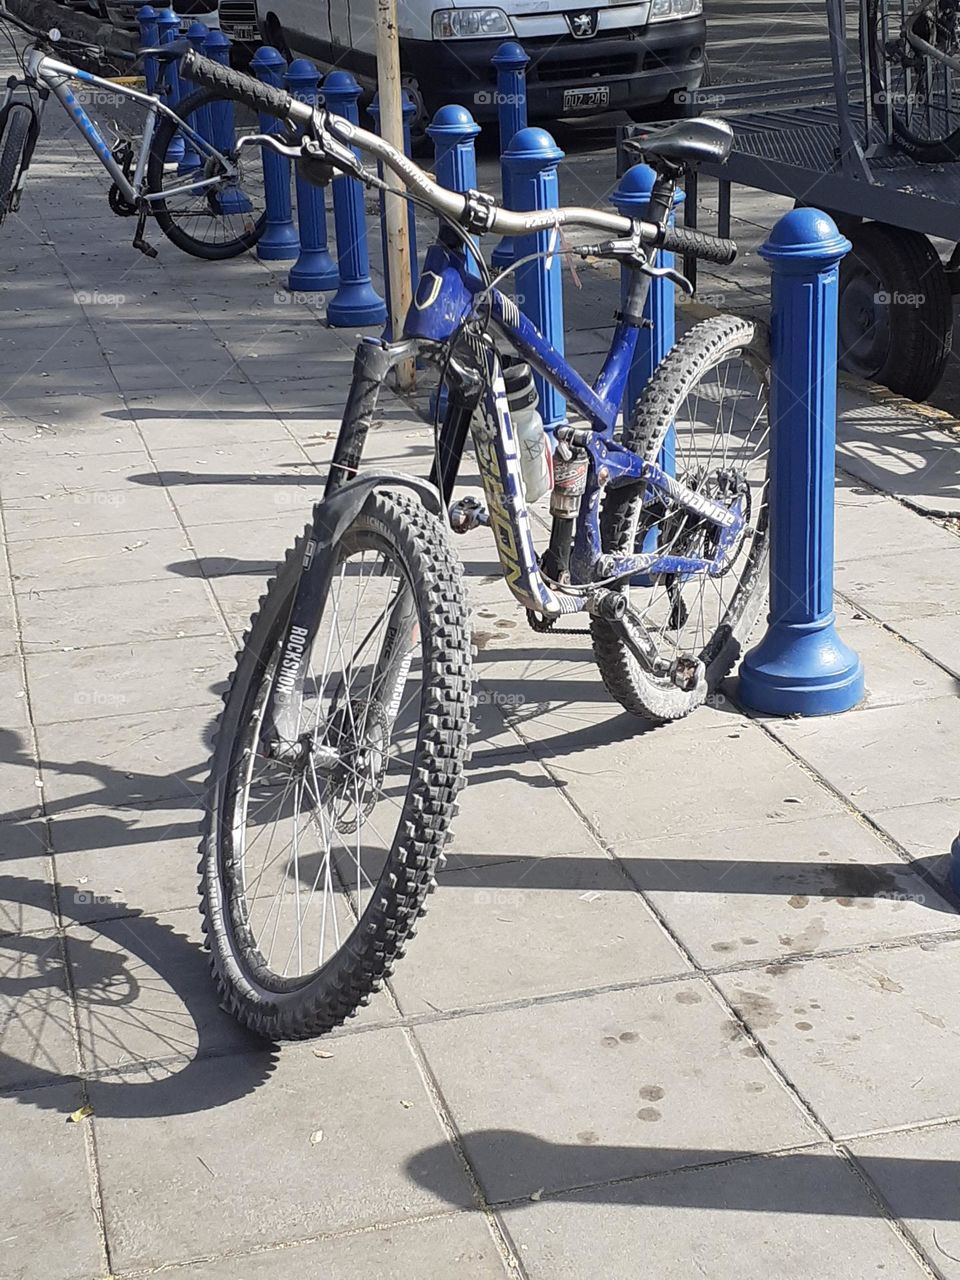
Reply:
x=684 y=1003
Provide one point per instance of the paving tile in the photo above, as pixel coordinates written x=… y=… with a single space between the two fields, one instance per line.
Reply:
x=783 y=888
x=459 y=1244
x=171 y=432
x=83 y=513
x=273 y=1184
x=245 y=499
x=903 y=584
x=200 y=377
x=939 y=637
x=19 y=781
x=80 y=474
x=513 y=808
x=893 y=671
x=884 y=757
x=867 y=1039
x=144 y=991
x=36 y=1022
x=515 y=921
x=37 y=429
x=115 y=862
x=926 y=831
x=740 y=775
x=44 y=564
x=26 y=891
x=867 y=522
x=134 y=612
x=805 y=1216
x=916 y=1172
x=49 y=1228
x=88 y=684
x=125 y=760
x=605 y=1086
x=13 y=698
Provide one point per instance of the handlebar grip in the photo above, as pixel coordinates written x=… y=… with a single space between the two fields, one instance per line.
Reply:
x=710 y=248
x=253 y=93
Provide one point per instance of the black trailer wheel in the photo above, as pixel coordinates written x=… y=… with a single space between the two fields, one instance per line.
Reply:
x=896 y=313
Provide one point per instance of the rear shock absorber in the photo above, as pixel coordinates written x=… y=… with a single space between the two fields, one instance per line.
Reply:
x=569 y=485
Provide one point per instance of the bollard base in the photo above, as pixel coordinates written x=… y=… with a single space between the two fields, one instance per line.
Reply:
x=953 y=876
x=356 y=304
x=313 y=272
x=279 y=243
x=801 y=670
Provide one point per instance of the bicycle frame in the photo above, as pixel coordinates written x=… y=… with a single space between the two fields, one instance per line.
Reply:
x=55 y=76
x=446 y=296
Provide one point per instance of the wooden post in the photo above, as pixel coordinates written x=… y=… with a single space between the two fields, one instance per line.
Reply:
x=395 y=209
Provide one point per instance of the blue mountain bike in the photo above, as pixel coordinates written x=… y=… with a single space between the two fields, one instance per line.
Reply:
x=341 y=746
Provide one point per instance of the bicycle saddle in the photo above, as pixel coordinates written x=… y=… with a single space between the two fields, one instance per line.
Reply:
x=166 y=52
x=686 y=142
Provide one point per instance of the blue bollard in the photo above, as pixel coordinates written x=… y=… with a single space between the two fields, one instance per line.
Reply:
x=201 y=120
x=510 y=62
x=356 y=301
x=315 y=270
x=631 y=197
x=801 y=666
x=532 y=159
x=409 y=111
x=168 y=28
x=223 y=137
x=149 y=39
x=454 y=131
x=279 y=241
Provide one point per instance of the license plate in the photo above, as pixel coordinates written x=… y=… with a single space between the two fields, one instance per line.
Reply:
x=591 y=99
x=244 y=31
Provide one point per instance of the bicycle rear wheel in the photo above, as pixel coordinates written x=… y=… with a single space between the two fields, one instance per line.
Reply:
x=711 y=393
x=228 y=216
x=313 y=875
x=16 y=131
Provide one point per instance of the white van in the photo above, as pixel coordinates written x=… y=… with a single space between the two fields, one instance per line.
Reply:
x=634 y=55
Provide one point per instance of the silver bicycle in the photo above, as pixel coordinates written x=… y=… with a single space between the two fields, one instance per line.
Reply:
x=186 y=167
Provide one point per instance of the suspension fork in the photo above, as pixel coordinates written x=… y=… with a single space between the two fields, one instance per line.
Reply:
x=345 y=495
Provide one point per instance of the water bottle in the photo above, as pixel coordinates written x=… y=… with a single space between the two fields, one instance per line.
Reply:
x=533 y=448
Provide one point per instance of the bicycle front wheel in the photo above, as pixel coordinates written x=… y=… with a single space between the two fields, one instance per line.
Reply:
x=12 y=149
x=313 y=875
x=226 y=215
x=704 y=416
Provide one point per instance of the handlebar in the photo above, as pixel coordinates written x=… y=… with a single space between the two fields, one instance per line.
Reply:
x=475 y=212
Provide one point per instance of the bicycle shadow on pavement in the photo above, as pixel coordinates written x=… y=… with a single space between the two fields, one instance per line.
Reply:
x=514 y=1167
x=137 y=993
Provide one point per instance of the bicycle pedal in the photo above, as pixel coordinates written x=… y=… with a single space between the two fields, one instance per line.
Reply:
x=144 y=247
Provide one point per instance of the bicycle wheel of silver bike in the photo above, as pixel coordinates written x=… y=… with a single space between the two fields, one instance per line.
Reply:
x=227 y=216
x=709 y=400
x=922 y=95
x=313 y=874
